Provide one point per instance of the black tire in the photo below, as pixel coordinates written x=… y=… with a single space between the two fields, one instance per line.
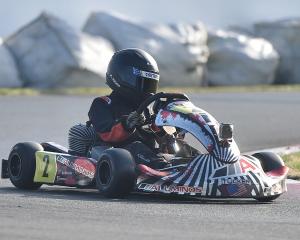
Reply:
x=21 y=165
x=115 y=173
x=269 y=161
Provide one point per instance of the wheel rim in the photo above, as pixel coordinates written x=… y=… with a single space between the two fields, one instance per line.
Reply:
x=104 y=172
x=15 y=166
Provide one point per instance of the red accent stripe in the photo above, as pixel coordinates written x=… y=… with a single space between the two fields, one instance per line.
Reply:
x=116 y=134
x=149 y=171
x=278 y=172
x=155 y=128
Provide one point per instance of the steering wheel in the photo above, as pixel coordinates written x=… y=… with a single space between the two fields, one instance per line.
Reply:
x=156 y=98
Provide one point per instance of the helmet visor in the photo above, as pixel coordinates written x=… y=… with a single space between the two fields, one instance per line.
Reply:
x=138 y=82
x=148 y=86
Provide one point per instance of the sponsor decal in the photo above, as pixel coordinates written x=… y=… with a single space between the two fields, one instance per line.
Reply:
x=246 y=166
x=235 y=190
x=235 y=181
x=46 y=167
x=169 y=189
x=80 y=165
x=145 y=74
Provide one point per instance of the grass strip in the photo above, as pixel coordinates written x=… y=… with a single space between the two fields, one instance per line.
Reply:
x=293 y=162
x=104 y=90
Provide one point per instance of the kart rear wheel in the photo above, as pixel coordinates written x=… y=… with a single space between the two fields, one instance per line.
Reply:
x=115 y=173
x=269 y=161
x=21 y=165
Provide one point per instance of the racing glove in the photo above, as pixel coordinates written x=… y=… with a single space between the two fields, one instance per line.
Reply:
x=134 y=120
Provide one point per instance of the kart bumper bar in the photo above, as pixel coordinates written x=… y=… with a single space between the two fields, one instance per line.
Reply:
x=4 y=169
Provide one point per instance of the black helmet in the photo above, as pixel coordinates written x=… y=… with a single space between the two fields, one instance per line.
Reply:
x=132 y=73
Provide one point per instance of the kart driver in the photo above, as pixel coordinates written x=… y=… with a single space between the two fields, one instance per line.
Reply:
x=132 y=75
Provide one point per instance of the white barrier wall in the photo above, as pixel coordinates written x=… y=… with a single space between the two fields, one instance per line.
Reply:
x=237 y=59
x=9 y=76
x=285 y=37
x=177 y=62
x=50 y=53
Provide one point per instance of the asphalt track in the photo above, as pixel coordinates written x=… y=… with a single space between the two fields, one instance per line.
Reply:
x=261 y=120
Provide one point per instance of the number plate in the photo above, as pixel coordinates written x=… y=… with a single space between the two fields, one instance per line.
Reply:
x=46 y=168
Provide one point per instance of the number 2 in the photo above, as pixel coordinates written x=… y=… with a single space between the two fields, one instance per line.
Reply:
x=46 y=159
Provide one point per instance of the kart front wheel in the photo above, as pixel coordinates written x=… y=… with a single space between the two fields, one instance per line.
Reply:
x=21 y=165
x=115 y=173
x=269 y=161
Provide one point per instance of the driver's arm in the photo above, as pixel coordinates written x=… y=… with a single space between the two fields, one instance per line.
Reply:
x=108 y=128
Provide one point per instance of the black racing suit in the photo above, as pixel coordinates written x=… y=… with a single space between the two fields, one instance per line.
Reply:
x=108 y=115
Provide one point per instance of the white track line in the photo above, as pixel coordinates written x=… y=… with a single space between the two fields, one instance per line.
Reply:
x=280 y=150
x=292 y=181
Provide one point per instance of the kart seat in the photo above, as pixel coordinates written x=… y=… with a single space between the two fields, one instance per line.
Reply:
x=54 y=147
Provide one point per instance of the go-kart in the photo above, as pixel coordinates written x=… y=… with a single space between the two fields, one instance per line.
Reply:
x=205 y=161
